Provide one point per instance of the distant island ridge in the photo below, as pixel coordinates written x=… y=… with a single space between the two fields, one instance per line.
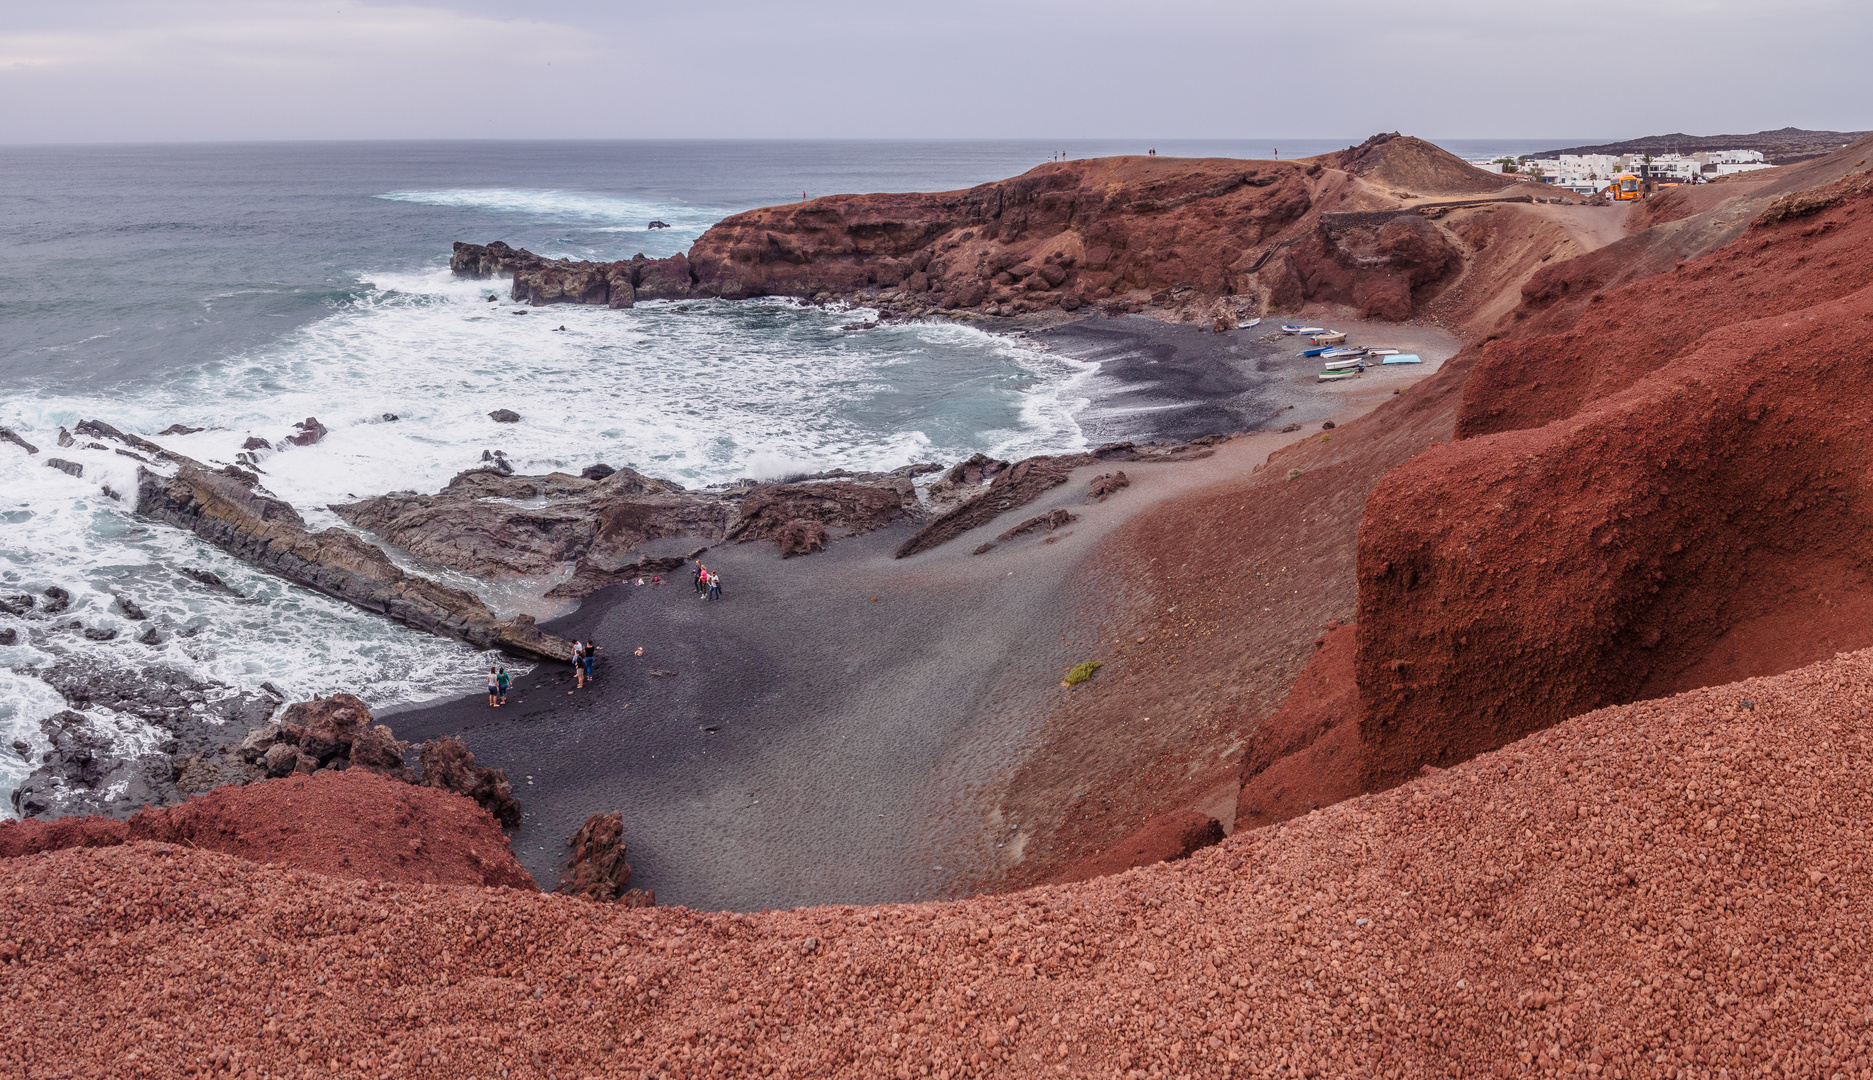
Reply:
x=1783 y=146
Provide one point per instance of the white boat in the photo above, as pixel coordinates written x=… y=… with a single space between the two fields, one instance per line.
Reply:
x=1343 y=363
x=1381 y=352
x=1403 y=358
x=1337 y=353
x=1251 y=322
x=1336 y=376
x=1292 y=329
x=1330 y=337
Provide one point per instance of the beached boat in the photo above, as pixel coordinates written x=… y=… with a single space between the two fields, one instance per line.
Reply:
x=1356 y=362
x=1337 y=352
x=1403 y=358
x=1320 y=351
x=1381 y=352
x=1292 y=328
x=1330 y=337
x=1336 y=376
x=1251 y=322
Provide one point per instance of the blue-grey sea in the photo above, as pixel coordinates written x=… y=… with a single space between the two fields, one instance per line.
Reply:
x=241 y=288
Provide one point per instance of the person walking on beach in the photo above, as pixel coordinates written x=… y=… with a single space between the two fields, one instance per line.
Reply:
x=591 y=660
x=494 y=690
x=578 y=665
x=715 y=586
x=702 y=579
x=503 y=683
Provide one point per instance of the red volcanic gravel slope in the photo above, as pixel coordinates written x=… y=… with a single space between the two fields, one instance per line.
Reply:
x=1671 y=889
x=1695 y=510
x=350 y=824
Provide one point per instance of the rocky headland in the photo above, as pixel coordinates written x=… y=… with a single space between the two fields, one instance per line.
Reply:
x=1385 y=228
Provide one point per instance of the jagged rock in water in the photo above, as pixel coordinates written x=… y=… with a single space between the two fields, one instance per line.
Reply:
x=308 y=431
x=86 y=772
x=272 y=535
x=8 y=435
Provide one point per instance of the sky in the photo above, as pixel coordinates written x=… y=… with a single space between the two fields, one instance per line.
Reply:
x=233 y=70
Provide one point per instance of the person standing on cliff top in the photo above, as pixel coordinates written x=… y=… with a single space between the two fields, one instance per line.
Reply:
x=494 y=689
x=503 y=682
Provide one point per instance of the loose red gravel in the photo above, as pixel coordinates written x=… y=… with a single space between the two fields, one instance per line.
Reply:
x=1670 y=889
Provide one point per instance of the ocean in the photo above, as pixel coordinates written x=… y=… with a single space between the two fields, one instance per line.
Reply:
x=241 y=288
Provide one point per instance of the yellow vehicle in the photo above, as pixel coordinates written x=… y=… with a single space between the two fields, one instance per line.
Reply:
x=1625 y=188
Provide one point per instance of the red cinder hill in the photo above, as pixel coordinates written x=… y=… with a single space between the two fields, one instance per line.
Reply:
x=1650 y=891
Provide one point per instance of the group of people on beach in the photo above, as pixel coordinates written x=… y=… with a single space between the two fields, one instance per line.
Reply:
x=584 y=659
x=585 y=653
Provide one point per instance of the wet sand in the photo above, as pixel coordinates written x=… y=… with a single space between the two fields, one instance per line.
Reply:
x=817 y=745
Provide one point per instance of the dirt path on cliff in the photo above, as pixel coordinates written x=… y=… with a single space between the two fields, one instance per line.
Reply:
x=835 y=728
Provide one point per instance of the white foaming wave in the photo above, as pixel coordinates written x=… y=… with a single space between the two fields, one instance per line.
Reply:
x=610 y=213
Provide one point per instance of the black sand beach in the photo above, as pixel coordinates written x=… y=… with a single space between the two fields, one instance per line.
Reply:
x=817 y=745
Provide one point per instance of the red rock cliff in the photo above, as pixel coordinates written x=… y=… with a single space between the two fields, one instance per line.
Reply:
x=1674 y=496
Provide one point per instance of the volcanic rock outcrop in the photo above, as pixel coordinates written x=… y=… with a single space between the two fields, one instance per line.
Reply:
x=476 y=525
x=99 y=764
x=227 y=513
x=1204 y=236
x=596 y=869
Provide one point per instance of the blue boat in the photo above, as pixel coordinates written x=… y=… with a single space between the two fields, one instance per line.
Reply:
x=1320 y=350
x=1405 y=358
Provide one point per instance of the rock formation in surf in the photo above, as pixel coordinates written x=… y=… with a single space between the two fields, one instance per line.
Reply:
x=228 y=513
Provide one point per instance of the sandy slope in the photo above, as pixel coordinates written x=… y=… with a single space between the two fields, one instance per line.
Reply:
x=1670 y=889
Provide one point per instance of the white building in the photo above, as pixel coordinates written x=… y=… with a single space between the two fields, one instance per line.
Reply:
x=1746 y=166
x=1589 y=165
x=1730 y=157
x=1665 y=167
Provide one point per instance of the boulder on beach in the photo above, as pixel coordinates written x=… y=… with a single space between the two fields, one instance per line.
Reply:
x=504 y=416
x=597 y=870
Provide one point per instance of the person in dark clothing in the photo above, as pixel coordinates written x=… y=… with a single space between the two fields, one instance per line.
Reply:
x=502 y=681
x=590 y=660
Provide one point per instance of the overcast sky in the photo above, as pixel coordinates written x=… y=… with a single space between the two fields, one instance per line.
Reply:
x=157 y=70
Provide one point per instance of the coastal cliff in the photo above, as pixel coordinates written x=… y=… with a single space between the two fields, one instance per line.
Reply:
x=1207 y=237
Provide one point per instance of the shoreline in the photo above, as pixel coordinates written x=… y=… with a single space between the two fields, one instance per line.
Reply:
x=924 y=698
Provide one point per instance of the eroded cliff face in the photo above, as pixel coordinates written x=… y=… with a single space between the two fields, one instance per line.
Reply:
x=1669 y=494
x=1204 y=235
